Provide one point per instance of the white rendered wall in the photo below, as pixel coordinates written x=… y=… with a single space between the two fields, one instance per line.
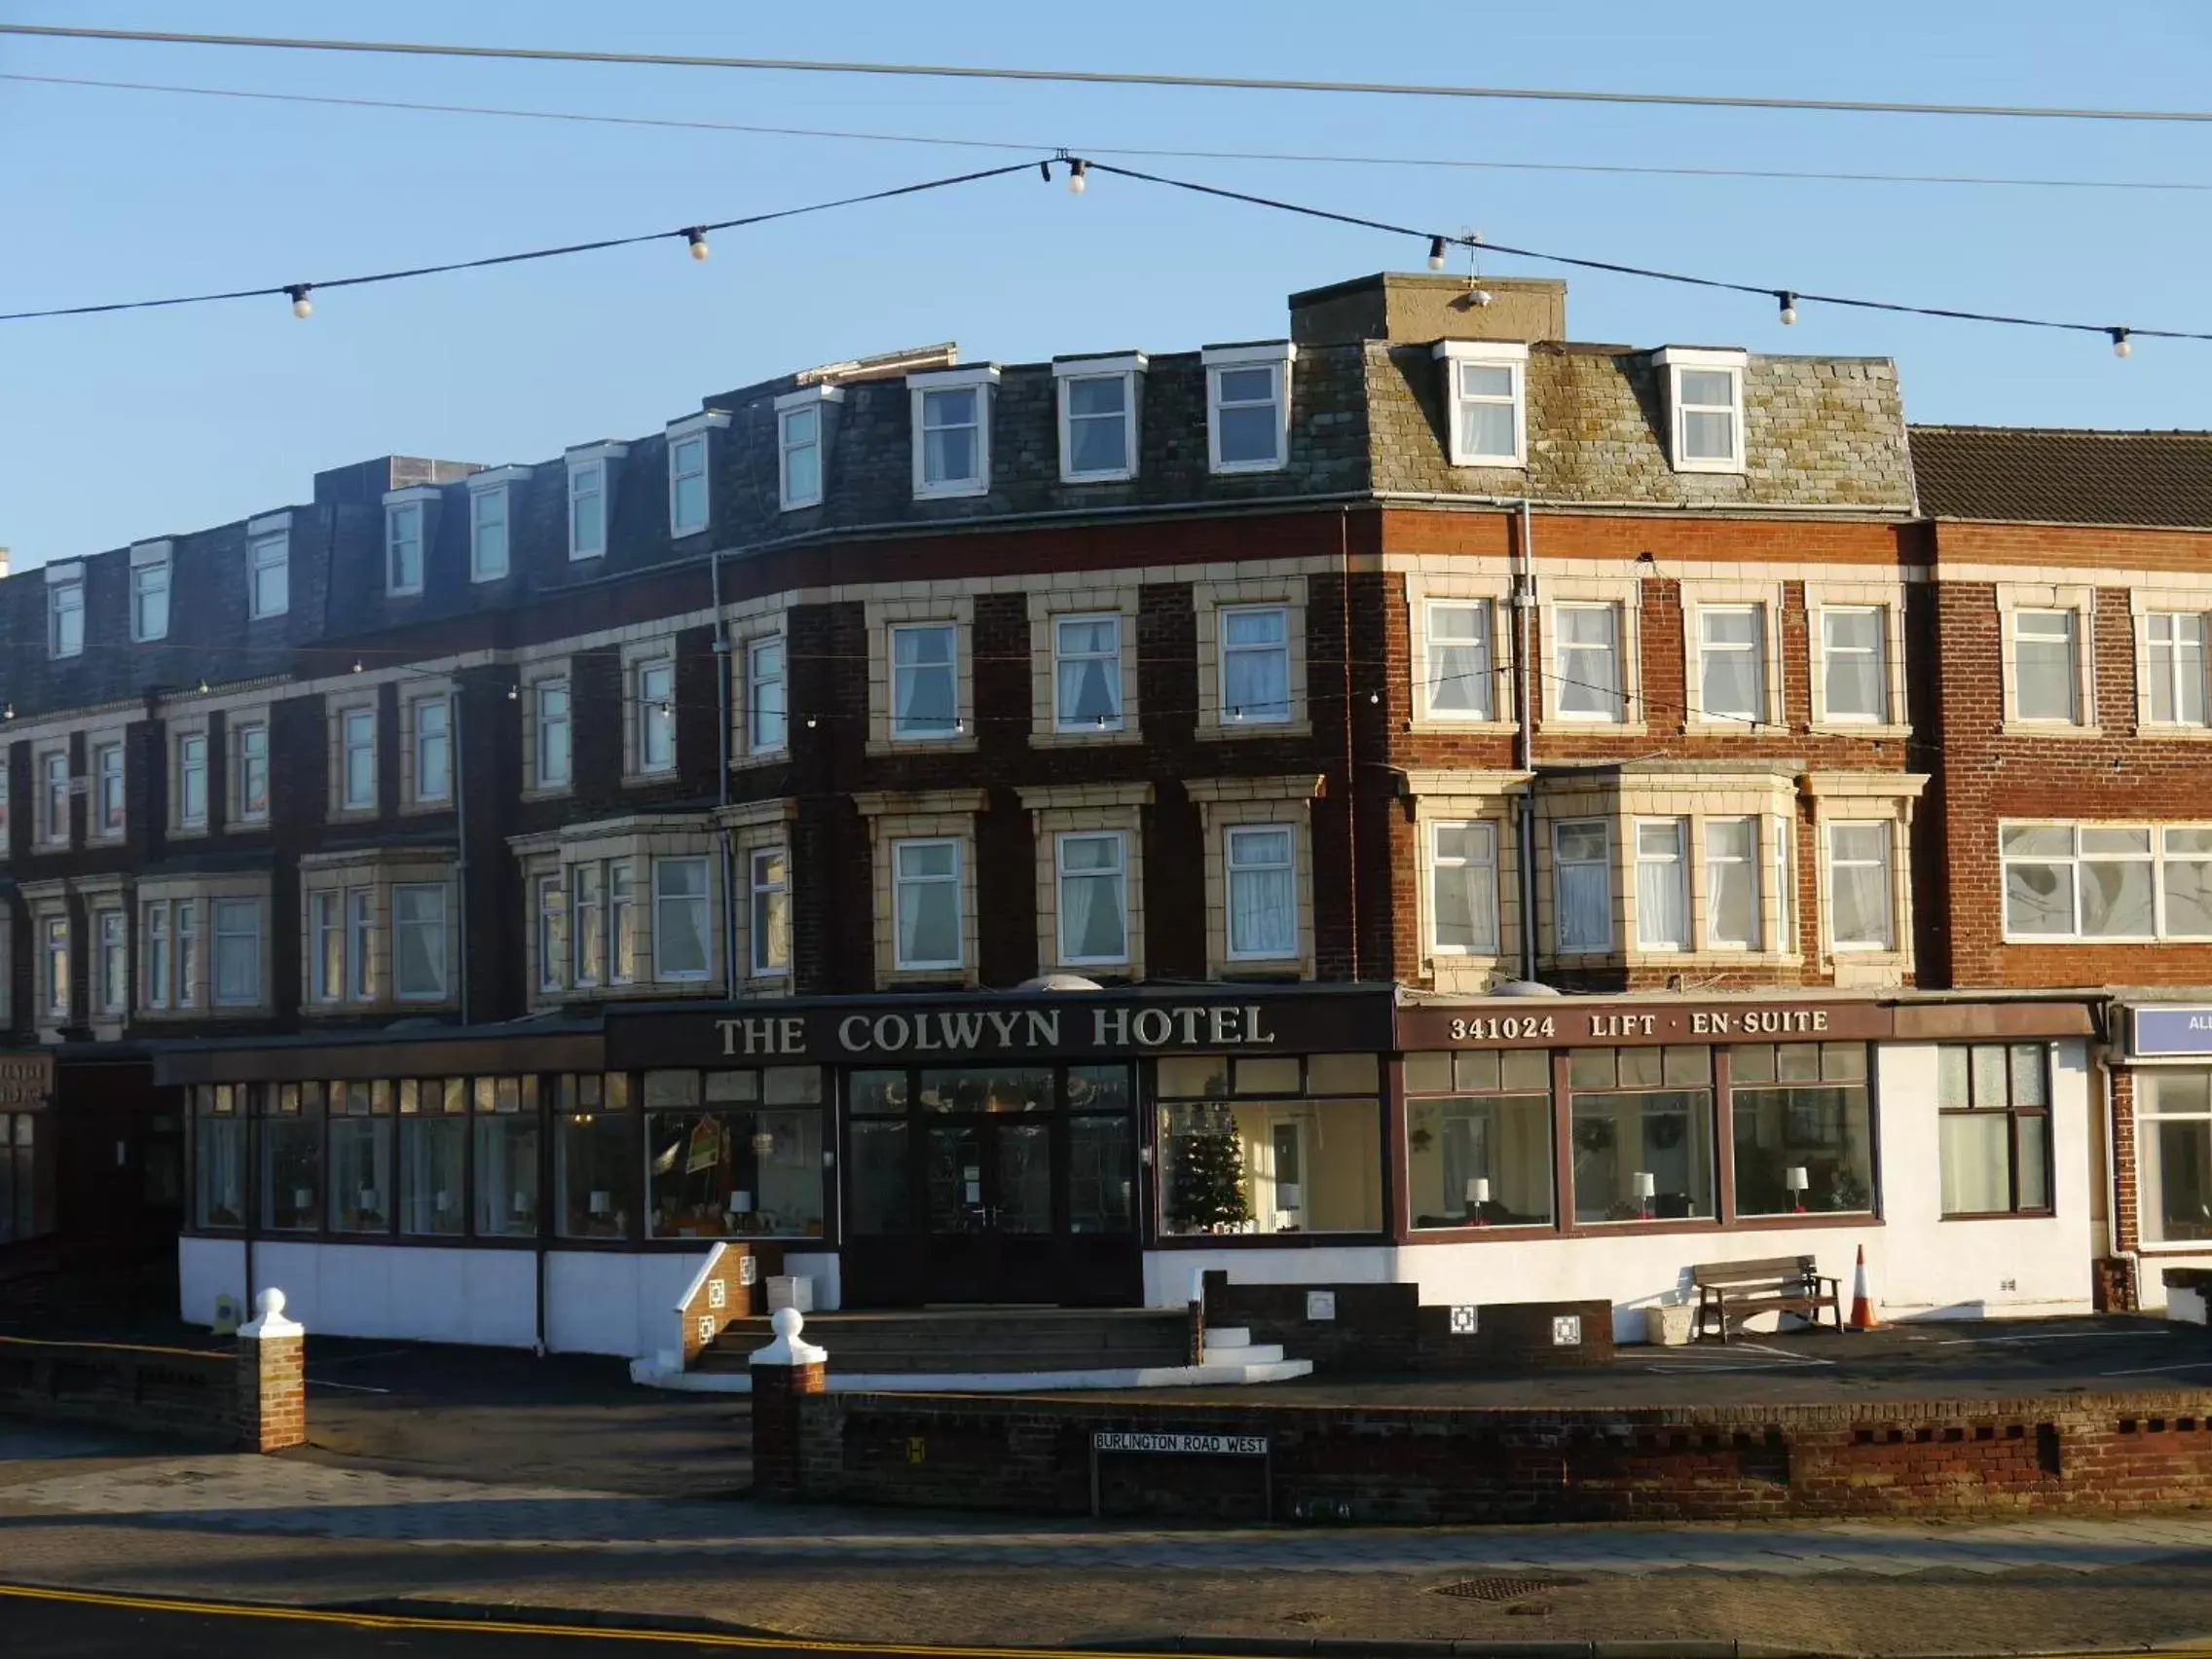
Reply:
x=1918 y=1264
x=603 y=1301
x=205 y=1268
x=483 y=1297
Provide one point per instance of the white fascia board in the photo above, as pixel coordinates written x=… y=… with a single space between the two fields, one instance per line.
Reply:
x=1701 y=356
x=938 y=379
x=68 y=570
x=411 y=495
x=691 y=426
x=268 y=524
x=1116 y=364
x=495 y=478
x=807 y=396
x=607 y=448
x=1250 y=351
x=1481 y=351
x=144 y=553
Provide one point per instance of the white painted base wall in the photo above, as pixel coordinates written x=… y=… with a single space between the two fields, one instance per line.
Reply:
x=1919 y=1266
x=2150 y=1275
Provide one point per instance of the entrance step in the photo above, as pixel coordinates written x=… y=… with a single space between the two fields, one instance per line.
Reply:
x=1243 y=1353
x=1228 y=1336
x=969 y=1341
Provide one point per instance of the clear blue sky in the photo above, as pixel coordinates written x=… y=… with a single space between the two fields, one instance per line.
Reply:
x=118 y=428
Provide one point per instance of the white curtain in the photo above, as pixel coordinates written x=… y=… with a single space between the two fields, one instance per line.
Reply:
x=1262 y=916
x=923 y=678
x=1090 y=898
x=929 y=921
x=1858 y=883
x=1585 y=907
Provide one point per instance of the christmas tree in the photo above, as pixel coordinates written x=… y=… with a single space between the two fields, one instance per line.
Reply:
x=1207 y=1194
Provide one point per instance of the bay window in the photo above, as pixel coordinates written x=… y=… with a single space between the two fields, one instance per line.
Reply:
x=734 y=1153
x=683 y=937
x=504 y=1131
x=361 y=1193
x=291 y=1156
x=1662 y=884
x=434 y=1153
x=419 y=952
x=1582 y=887
x=236 y=951
x=1732 y=883
x=595 y=1156
x=771 y=913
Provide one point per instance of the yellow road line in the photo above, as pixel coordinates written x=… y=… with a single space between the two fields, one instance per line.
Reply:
x=124 y=1347
x=517 y=1627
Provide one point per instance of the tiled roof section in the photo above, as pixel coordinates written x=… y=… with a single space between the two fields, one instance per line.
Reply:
x=2045 y=475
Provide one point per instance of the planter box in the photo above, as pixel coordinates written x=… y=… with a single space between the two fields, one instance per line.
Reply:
x=1667 y=1325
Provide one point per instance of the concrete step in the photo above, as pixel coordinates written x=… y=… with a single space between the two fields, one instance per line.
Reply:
x=1243 y=1353
x=1228 y=1336
x=962 y=1341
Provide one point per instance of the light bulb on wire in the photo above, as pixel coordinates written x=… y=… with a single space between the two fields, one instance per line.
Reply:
x=1787 y=315
x=1078 y=182
x=698 y=241
x=302 y=306
x=1436 y=253
x=2119 y=343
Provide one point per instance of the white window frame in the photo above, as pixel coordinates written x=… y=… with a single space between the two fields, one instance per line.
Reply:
x=761 y=895
x=242 y=745
x=1557 y=647
x=1510 y=355
x=442 y=707
x=900 y=881
x=588 y=874
x=1605 y=862
x=1782 y=833
x=1829 y=713
x=156 y=966
x=1677 y=860
x=55 y=944
x=326 y=936
x=1063 y=720
x=443 y=923
x=680 y=433
x=53 y=803
x=540 y=691
x=2173 y=670
x=950 y=668
x=347 y=802
x=217 y=935
x=187 y=932
x=1119 y=874
x=1276 y=355
x=702 y=900
x=2160 y=857
x=1676 y=359
x=108 y=769
x=1887 y=865
x=1426 y=683
x=186 y=769
x=549 y=915
x=651 y=707
x=65 y=610
x=1762 y=690
x=1234 y=715
x=1128 y=368
x=491 y=506
x=360 y=915
x=2077 y=602
x=812 y=402
x=407 y=524
x=1437 y=860
x=2070 y=633
x=757 y=678
x=622 y=920
x=1753 y=865
x=111 y=961
x=920 y=386
x=151 y=578
x=1231 y=868
x=268 y=554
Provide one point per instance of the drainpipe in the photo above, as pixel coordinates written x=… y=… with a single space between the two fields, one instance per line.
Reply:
x=1524 y=732
x=1352 y=772
x=2126 y=1258
x=721 y=777
x=461 y=836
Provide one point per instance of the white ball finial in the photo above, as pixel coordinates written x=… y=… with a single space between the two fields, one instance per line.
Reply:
x=786 y=1349
x=271 y=1303
x=786 y=1322
x=271 y=1321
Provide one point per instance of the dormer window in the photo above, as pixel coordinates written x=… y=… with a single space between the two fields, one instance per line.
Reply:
x=1248 y=406
x=952 y=431
x=150 y=591
x=268 y=566
x=491 y=511
x=802 y=420
x=1705 y=401
x=591 y=497
x=689 y=502
x=406 y=533
x=1486 y=400
x=65 y=610
x=1099 y=418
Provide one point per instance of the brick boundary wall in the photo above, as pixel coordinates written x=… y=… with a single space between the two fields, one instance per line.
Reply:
x=1382 y=1330
x=254 y=1398
x=2103 y=1454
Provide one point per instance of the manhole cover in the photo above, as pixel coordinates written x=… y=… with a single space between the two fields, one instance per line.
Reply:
x=1501 y=1589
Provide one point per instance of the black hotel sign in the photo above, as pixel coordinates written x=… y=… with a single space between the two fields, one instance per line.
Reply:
x=1081 y=1025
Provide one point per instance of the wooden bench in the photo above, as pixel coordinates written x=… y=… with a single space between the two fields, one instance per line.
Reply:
x=1729 y=1293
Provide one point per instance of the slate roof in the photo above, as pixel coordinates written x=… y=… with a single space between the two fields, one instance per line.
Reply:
x=2045 y=475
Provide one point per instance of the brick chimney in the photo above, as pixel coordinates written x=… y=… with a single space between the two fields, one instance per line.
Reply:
x=1420 y=307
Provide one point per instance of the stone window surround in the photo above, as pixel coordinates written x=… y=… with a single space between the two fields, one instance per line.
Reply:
x=702 y=425
x=1447 y=797
x=1698 y=596
x=1625 y=594
x=47 y=901
x=636 y=840
x=204 y=891
x=2080 y=599
x=753 y=828
x=1210 y=600
x=175 y=731
x=235 y=722
x=1057 y=809
x=413 y=695
x=534 y=675
x=378 y=870
x=742 y=636
x=1487 y=353
x=819 y=398
x=1672 y=359
x=1225 y=803
x=1422 y=587
x=1696 y=793
x=104 y=896
x=1126 y=366
x=918 y=605
x=1890 y=597
x=903 y=816
x=336 y=707
x=984 y=378
x=427 y=498
x=1078 y=594
x=1860 y=797
x=608 y=458
x=1280 y=354
x=2144 y=601
x=96 y=740
x=637 y=655
x=41 y=839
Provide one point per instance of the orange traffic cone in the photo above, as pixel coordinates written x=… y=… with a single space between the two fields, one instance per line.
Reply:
x=1862 y=1316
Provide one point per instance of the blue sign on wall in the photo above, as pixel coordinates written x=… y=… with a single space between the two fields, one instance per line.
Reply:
x=2185 y=1028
